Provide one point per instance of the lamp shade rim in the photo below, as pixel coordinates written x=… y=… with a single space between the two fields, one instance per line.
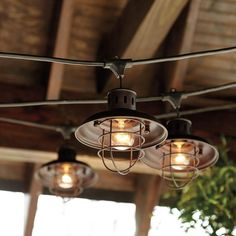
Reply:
x=121 y=112
x=65 y=161
x=154 y=155
x=89 y=175
x=88 y=128
x=187 y=136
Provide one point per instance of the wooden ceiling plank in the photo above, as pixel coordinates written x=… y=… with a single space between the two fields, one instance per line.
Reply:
x=140 y=35
x=147 y=196
x=181 y=39
x=60 y=50
x=16 y=171
x=34 y=156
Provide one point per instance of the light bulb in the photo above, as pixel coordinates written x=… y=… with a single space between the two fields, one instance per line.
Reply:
x=122 y=140
x=66 y=178
x=65 y=181
x=179 y=161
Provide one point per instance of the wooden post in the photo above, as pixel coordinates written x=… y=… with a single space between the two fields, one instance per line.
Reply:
x=147 y=197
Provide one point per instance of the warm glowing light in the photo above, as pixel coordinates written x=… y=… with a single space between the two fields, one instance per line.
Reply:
x=179 y=161
x=66 y=179
x=122 y=140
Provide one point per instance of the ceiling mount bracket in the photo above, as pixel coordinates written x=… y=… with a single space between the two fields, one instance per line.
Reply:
x=117 y=66
x=66 y=131
x=174 y=98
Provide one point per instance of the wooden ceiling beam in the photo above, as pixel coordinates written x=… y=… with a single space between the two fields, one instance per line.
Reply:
x=180 y=41
x=147 y=196
x=16 y=171
x=60 y=50
x=34 y=156
x=139 y=33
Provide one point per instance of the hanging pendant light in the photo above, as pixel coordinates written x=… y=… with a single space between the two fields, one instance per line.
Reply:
x=121 y=133
x=67 y=177
x=182 y=156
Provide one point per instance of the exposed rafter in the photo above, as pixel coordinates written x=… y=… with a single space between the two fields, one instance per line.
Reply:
x=61 y=44
x=180 y=41
x=139 y=34
x=33 y=156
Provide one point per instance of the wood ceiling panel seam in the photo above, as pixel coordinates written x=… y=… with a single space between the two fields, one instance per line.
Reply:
x=217 y=17
x=219 y=6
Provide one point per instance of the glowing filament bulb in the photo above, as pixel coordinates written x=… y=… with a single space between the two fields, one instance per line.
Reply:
x=122 y=140
x=66 y=179
x=179 y=161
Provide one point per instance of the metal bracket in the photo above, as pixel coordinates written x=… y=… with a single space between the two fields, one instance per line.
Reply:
x=66 y=131
x=174 y=98
x=118 y=66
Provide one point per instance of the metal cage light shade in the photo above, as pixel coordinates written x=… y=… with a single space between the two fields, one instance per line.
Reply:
x=182 y=156
x=66 y=177
x=121 y=133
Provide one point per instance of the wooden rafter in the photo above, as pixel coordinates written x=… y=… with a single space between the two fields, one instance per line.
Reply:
x=106 y=179
x=60 y=50
x=180 y=41
x=139 y=34
x=22 y=155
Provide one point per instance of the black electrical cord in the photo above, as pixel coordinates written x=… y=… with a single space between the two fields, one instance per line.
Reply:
x=52 y=103
x=129 y=62
x=165 y=97
x=63 y=129
x=208 y=90
x=183 y=56
x=30 y=124
x=29 y=57
x=197 y=111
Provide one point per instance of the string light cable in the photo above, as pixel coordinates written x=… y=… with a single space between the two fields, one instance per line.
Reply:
x=106 y=64
x=118 y=66
x=168 y=97
x=70 y=129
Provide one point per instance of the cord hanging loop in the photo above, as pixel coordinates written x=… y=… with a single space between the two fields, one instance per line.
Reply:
x=174 y=98
x=117 y=66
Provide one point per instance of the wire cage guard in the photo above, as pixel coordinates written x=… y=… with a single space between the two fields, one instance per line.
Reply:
x=66 y=177
x=182 y=156
x=119 y=145
x=180 y=162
